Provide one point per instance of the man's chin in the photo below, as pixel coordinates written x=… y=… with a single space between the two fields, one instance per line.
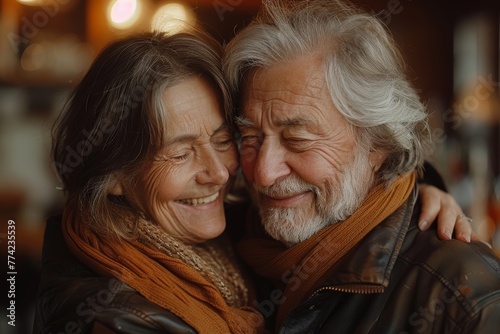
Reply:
x=284 y=226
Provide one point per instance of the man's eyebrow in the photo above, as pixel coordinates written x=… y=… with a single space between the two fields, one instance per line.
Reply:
x=289 y=122
x=243 y=121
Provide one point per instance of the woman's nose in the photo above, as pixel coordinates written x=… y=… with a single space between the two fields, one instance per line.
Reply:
x=213 y=169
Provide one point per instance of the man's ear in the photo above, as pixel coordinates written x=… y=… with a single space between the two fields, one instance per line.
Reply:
x=377 y=158
x=116 y=186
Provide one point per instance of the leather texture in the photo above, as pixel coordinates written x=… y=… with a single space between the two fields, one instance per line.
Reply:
x=429 y=286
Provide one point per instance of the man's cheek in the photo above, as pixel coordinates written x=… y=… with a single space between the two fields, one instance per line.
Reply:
x=248 y=158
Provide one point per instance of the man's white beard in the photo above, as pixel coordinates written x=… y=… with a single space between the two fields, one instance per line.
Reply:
x=294 y=225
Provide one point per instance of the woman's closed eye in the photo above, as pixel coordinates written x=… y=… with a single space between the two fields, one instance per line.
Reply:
x=223 y=143
x=180 y=157
x=174 y=156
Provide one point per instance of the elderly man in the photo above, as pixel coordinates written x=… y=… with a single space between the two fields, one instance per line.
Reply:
x=332 y=137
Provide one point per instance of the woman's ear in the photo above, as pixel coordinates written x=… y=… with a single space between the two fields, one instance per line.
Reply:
x=116 y=186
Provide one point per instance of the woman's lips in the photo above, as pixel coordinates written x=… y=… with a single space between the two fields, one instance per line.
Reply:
x=199 y=201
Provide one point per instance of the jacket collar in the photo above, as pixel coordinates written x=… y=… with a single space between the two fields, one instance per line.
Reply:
x=367 y=268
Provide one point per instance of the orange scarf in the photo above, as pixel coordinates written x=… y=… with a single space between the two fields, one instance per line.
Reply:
x=162 y=279
x=302 y=266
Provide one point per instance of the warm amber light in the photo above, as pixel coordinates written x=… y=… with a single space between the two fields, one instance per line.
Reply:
x=34 y=57
x=123 y=13
x=31 y=2
x=172 y=17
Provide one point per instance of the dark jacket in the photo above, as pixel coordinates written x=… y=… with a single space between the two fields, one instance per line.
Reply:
x=401 y=280
x=73 y=299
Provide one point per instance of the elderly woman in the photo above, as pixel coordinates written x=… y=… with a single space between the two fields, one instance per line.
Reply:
x=146 y=154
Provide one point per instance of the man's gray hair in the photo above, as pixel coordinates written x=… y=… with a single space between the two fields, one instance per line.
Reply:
x=364 y=72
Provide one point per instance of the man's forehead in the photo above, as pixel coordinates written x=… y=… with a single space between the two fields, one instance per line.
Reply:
x=304 y=75
x=283 y=120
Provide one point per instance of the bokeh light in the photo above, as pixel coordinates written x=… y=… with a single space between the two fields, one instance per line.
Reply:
x=123 y=13
x=173 y=17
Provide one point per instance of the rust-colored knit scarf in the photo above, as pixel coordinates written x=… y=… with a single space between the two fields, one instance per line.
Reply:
x=164 y=280
x=302 y=266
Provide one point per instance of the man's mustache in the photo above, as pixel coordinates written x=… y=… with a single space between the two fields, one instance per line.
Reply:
x=286 y=188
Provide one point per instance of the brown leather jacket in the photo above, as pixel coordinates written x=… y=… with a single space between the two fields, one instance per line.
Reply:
x=401 y=280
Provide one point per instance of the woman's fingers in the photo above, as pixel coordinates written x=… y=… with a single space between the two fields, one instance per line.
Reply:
x=441 y=205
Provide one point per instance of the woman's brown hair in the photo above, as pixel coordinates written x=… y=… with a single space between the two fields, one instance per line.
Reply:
x=113 y=122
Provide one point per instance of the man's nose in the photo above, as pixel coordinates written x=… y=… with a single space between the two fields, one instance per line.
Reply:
x=271 y=163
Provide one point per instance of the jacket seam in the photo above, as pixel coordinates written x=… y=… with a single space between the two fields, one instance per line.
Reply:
x=484 y=260
x=462 y=301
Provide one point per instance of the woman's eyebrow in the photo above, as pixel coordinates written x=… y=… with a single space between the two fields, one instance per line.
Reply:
x=185 y=138
x=222 y=127
x=189 y=138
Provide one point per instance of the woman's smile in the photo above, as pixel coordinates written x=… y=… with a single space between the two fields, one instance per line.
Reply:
x=199 y=201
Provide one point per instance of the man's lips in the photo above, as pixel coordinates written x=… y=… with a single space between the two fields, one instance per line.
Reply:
x=284 y=201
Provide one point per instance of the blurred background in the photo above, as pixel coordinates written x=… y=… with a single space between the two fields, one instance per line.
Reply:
x=452 y=52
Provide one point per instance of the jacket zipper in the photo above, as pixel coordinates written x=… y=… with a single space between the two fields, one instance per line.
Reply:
x=359 y=290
